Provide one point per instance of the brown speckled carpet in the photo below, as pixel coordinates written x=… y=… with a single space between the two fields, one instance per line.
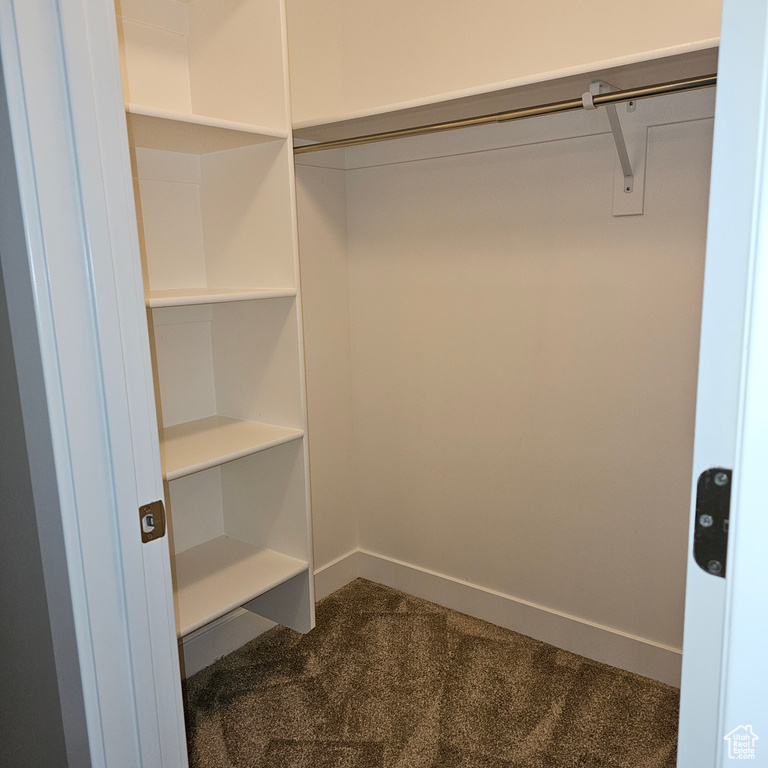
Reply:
x=390 y=681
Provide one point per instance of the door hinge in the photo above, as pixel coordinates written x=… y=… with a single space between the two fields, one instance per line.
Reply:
x=152 y=520
x=713 y=508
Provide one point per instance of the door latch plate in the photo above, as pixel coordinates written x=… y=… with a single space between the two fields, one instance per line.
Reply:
x=152 y=521
x=710 y=533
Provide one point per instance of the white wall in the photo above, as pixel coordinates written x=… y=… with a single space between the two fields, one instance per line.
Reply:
x=30 y=706
x=354 y=56
x=316 y=57
x=325 y=296
x=523 y=364
x=524 y=370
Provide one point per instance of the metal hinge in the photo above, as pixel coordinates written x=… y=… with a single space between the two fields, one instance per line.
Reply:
x=713 y=508
x=152 y=520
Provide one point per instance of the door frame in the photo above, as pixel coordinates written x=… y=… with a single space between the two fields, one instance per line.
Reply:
x=75 y=292
x=721 y=674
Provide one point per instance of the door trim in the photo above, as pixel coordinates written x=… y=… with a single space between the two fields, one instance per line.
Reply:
x=740 y=120
x=62 y=76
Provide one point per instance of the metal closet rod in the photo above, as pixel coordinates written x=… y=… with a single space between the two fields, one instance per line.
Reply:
x=631 y=94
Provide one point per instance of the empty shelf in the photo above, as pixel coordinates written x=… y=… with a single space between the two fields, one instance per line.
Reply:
x=152 y=128
x=186 y=296
x=197 y=445
x=220 y=575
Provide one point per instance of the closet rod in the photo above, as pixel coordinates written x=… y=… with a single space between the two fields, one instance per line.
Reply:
x=631 y=94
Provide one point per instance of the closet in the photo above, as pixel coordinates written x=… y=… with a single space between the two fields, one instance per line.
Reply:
x=496 y=331
x=519 y=357
x=208 y=122
x=501 y=334
x=492 y=359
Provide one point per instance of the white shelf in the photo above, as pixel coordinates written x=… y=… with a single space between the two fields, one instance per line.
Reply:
x=197 y=445
x=152 y=128
x=186 y=296
x=220 y=575
x=521 y=92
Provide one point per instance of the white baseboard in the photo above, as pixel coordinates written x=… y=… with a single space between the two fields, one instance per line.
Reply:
x=202 y=647
x=586 y=638
x=610 y=646
x=336 y=574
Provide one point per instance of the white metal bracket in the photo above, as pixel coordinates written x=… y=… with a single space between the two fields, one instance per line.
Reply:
x=629 y=184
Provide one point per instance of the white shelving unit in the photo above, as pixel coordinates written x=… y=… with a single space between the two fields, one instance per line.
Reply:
x=176 y=132
x=180 y=297
x=224 y=573
x=205 y=443
x=208 y=122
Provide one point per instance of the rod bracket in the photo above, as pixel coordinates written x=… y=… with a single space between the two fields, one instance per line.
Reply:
x=587 y=99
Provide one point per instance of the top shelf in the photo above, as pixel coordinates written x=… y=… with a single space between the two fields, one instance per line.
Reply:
x=540 y=89
x=151 y=128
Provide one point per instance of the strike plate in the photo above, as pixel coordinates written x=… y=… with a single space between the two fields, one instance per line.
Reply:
x=152 y=521
x=713 y=507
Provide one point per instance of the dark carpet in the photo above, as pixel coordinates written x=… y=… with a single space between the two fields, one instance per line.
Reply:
x=386 y=680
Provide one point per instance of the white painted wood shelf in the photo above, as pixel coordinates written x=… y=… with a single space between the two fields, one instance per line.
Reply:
x=220 y=575
x=152 y=128
x=526 y=91
x=180 y=297
x=197 y=445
